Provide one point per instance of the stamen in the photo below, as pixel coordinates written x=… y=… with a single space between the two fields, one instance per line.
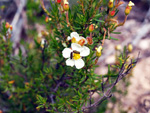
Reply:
x=81 y=42
x=73 y=40
x=76 y=56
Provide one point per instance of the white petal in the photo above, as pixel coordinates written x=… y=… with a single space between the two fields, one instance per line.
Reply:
x=85 y=41
x=79 y=63
x=64 y=44
x=85 y=51
x=76 y=47
x=43 y=41
x=79 y=38
x=69 y=38
x=66 y=52
x=70 y=62
x=75 y=35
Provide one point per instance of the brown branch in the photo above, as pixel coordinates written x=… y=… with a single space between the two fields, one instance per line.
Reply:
x=45 y=10
x=104 y=36
x=122 y=73
x=19 y=74
x=121 y=24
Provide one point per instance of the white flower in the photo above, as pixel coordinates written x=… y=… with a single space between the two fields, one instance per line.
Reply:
x=75 y=38
x=43 y=41
x=74 y=55
x=130 y=4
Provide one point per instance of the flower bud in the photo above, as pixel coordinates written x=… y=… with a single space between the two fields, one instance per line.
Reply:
x=46 y=19
x=130 y=47
x=128 y=8
x=11 y=82
x=58 y=1
x=7 y=25
x=66 y=6
x=89 y=40
x=98 y=51
x=118 y=47
x=91 y=28
x=110 y=4
x=112 y=13
x=11 y=28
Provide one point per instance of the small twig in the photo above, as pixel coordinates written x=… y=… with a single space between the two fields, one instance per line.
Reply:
x=52 y=98
x=104 y=36
x=121 y=24
x=122 y=73
x=19 y=74
x=45 y=10
x=82 y=5
x=85 y=79
x=67 y=19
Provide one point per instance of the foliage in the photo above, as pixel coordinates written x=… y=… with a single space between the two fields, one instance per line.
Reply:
x=40 y=80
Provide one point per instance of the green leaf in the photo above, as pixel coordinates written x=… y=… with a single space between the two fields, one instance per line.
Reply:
x=113 y=38
x=116 y=32
x=99 y=20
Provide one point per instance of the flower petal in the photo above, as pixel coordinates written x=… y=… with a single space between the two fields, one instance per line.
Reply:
x=69 y=38
x=75 y=35
x=79 y=63
x=76 y=47
x=85 y=51
x=85 y=40
x=70 y=62
x=66 y=52
x=79 y=38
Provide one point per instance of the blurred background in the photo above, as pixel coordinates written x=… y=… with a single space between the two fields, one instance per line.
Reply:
x=131 y=95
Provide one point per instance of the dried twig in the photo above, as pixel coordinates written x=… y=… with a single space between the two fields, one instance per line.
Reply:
x=122 y=73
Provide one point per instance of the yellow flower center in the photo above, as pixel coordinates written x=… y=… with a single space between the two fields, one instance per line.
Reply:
x=73 y=40
x=76 y=56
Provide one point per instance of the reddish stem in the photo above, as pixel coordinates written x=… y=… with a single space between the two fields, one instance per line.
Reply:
x=90 y=34
x=67 y=19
